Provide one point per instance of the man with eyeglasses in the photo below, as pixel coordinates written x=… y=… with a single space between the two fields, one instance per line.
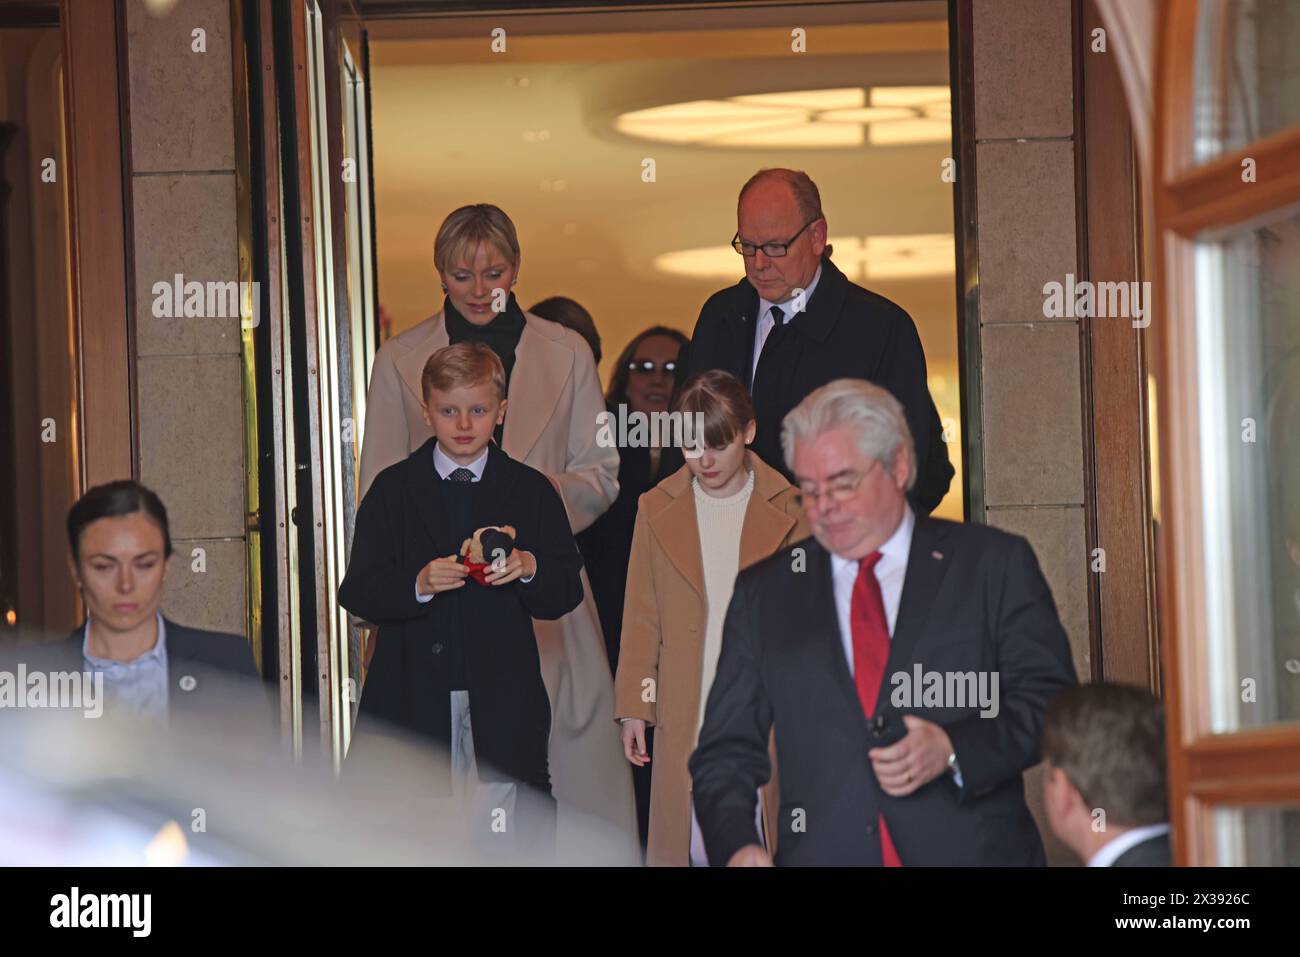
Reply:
x=795 y=322
x=870 y=648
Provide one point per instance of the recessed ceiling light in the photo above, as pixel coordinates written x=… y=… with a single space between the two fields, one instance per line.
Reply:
x=838 y=117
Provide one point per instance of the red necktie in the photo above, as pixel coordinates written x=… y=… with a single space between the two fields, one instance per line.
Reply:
x=870 y=652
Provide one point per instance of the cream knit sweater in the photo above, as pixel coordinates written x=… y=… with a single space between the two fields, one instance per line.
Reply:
x=719 y=521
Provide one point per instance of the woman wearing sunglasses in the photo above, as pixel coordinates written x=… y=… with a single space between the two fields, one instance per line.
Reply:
x=643 y=379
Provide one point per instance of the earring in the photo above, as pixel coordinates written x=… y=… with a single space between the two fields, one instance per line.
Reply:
x=444 y=287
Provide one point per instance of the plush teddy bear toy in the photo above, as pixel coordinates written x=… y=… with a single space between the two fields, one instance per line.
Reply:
x=486 y=545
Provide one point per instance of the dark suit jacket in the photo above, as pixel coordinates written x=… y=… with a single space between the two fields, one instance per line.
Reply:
x=402 y=525
x=982 y=606
x=217 y=661
x=1153 y=852
x=845 y=331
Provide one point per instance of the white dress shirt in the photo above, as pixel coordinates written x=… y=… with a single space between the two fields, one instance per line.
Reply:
x=889 y=571
x=766 y=323
x=1111 y=850
x=445 y=465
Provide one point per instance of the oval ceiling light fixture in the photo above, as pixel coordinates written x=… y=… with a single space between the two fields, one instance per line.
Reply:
x=918 y=256
x=842 y=117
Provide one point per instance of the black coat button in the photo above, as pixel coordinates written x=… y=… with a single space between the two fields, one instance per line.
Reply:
x=437 y=647
x=871 y=829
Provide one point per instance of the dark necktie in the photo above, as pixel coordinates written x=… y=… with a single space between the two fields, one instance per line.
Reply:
x=870 y=628
x=769 y=348
x=461 y=475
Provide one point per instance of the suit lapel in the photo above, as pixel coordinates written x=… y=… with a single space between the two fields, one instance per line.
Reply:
x=410 y=366
x=927 y=563
x=424 y=496
x=765 y=526
x=823 y=310
x=492 y=489
x=742 y=310
x=678 y=532
x=543 y=368
x=180 y=656
x=822 y=619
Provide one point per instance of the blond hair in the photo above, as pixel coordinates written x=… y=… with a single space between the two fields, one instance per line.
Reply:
x=469 y=227
x=461 y=365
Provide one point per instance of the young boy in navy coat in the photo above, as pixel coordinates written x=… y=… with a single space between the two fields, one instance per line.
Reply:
x=448 y=645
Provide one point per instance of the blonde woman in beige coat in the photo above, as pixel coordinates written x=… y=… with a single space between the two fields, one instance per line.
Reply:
x=718 y=514
x=554 y=398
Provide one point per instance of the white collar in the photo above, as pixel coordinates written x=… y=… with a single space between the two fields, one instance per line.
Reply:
x=1111 y=851
x=765 y=306
x=446 y=465
x=895 y=550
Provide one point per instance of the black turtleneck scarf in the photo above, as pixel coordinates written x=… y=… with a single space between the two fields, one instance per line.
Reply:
x=501 y=335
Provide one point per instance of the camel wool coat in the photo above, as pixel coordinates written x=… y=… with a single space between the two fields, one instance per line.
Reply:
x=664 y=619
x=554 y=397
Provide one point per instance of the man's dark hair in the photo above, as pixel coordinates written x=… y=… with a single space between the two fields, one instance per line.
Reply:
x=1109 y=739
x=569 y=313
x=113 y=500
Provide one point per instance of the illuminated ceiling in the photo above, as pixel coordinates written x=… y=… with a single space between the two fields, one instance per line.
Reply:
x=849 y=117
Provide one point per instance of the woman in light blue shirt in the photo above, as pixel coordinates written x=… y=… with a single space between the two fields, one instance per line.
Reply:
x=119 y=544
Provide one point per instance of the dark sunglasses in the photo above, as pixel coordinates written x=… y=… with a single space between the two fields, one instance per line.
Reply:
x=650 y=367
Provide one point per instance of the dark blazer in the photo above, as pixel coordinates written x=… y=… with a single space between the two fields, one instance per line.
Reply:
x=402 y=525
x=973 y=600
x=845 y=331
x=1153 y=852
x=210 y=657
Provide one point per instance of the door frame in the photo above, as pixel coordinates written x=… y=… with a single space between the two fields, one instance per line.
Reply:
x=99 y=225
x=1258 y=766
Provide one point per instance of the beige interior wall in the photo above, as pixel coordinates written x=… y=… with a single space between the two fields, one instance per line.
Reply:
x=536 y=132
x=190 y=393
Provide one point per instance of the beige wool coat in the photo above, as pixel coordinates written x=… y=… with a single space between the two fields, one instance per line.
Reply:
x=664 y=619
x=554 y=398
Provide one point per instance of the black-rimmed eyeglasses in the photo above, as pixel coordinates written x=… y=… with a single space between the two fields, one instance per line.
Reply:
x=771 y=250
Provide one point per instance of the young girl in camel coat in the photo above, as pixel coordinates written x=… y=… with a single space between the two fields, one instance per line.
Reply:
x=721 y=512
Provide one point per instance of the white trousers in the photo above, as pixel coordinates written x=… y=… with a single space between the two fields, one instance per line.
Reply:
x=488 y=807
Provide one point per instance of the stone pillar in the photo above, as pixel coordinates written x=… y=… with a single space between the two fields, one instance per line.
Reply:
x=189 y=388
x=1030 y=365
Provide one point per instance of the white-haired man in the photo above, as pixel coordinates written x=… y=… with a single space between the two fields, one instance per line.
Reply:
x=905 y=662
